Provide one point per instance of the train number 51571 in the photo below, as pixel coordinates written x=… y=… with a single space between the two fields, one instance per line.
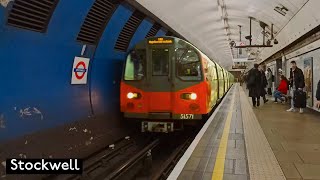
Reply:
x=186 y=116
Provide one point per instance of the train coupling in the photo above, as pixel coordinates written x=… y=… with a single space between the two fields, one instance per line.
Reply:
x=165 y=127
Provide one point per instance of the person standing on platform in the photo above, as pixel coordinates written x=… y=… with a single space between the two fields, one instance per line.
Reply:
x=269 y=79
x=318 y=95
x=297 y=84
x=264 y=84
x=241 y=79
x=254 y=85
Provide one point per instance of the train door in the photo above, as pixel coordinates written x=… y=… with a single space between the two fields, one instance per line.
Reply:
x=225 y=81
x=221 y=82
x=159 y=80
x=227 y=75
x=215 y=85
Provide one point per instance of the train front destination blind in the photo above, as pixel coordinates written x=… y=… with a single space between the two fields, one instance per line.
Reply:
x=160 y=41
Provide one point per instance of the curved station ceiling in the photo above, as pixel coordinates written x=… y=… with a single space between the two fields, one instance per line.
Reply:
x=212 y=24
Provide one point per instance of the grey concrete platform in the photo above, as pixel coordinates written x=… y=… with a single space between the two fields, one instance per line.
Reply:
x=231 y=145
x=202 y=162
x=294 y=139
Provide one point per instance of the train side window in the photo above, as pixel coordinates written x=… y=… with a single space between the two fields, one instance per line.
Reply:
x=135 y=65
x=188 y=65
x=214 y=72
x=220 y=71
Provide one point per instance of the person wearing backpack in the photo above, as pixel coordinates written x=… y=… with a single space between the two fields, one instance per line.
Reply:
x=254 y=85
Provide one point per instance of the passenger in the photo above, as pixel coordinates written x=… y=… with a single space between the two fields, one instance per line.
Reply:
x=254 y=85
x=297 y=84
x=264 y=84
x=318 y=95
x=282 y=90
x=269 y=79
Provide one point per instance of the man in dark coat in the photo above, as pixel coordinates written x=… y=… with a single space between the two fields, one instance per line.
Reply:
x=318 y=95
x=296 y=83
x=254 y=85
x=264 y=84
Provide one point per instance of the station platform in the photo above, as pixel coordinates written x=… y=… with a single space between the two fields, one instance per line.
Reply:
x=239 y=142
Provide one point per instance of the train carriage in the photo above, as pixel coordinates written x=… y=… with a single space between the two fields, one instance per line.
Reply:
x=168 y=82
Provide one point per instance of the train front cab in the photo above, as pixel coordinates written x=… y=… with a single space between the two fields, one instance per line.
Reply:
x=164 y=85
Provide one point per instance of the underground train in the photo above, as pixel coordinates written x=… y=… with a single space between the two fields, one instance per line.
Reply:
x=167 y=83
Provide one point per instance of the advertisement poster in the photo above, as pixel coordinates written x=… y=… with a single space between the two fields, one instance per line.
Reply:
x=308 y=76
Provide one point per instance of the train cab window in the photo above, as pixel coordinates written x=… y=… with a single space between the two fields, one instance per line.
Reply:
x=188 y=65
x=135 y=65
x=160 y=62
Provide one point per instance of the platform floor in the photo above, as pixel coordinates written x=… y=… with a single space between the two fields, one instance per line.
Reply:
x=294 y=139
x=239 y=142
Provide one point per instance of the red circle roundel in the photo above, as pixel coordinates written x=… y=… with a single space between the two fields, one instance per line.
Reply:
x=80 y=70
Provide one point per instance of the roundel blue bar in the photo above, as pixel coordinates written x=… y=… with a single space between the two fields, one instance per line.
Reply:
x=79 y=70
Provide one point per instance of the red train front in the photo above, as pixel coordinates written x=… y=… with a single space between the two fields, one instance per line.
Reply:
x=163 y=85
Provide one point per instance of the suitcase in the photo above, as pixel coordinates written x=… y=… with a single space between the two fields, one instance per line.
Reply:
x=300 y=99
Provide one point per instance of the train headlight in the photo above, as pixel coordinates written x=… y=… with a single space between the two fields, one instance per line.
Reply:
x=132 y=95
x=193 y=96
x=189 y=96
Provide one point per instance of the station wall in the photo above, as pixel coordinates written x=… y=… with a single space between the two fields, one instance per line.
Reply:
x=308 y=60
x=303 y=56
x=36 y=68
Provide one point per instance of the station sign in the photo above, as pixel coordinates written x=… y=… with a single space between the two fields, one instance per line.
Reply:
x=160 y=41
x=80 y=70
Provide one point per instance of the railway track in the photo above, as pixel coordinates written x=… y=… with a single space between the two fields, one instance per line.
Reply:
x=172 y=160
x=112 y=159
x=144 y=156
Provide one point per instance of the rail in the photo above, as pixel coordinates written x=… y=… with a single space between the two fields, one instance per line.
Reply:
x=165 y=170
x=99 y=158
x=132 y=161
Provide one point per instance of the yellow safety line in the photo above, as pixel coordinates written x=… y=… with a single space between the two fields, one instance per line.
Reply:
x=221 y=155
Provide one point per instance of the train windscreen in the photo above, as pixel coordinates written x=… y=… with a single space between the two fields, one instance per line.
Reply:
x=188 y=65
x=135 y=65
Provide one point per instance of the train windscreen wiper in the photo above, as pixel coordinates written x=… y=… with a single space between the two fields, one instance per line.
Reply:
x=184 y=52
